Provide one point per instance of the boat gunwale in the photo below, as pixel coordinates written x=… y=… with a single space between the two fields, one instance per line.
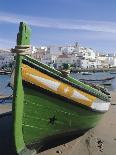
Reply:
x=74 y=103
x=98 y=94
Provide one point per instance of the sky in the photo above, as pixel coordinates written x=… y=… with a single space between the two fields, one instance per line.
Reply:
x=91 y=23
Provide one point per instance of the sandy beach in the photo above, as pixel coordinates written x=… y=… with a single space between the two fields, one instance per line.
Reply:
x=100 y=140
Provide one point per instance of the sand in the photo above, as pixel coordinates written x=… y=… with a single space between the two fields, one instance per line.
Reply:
x=100 y=140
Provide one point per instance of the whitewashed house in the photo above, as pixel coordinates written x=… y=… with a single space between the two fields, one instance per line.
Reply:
x=68 y=59
x=86 y=63
x=6 y=58
x=114 y=62
x=67 y=49
x=104 y=60
x=64 y=58
x=43 y=54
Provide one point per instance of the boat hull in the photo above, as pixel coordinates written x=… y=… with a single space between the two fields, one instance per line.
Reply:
x=41 y=112
x=46 y=116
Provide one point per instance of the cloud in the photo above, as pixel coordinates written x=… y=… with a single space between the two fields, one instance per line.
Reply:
x=65 y=24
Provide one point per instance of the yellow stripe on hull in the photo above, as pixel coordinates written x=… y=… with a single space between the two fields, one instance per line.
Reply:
x=56 y=86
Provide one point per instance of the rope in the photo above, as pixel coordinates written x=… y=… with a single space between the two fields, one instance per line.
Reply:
x=22 y=49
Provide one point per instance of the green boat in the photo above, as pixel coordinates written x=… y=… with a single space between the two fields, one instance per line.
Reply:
x=47 y=104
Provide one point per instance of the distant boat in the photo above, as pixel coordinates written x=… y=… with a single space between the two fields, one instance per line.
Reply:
x=109 y=78
x=112 y=72
x=105 y=81
x=5 y=99
x=86 y=73
x=4 y=72
x=47 y=104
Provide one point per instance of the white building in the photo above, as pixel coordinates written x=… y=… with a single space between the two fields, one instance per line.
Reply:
x=114 y=62
x=68 y=59
x=6 y=58
x=64 y=58
x=104 y=60
x=48 y=59
x=67 y=49
x=44 y=55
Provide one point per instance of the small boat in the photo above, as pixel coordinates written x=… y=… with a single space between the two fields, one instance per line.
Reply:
x=86 y=73
x=109 y=78
x=106 y=81
x=99 y=80
x=3 y=72
x=112 y=72
x=47 y=104
x=5 y=99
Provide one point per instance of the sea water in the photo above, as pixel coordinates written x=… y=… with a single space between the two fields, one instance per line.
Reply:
x=5 y=90
x=98 y=76
x=5 y=79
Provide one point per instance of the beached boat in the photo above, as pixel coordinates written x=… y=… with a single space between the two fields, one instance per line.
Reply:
x=47 y=104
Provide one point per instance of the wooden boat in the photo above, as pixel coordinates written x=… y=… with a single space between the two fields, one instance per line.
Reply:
x=108 y=83
x=3 y=72
x=99 y=80
x=86 y=73
x=5 y=99
x=46 y=104
x=112 y=72
x=109 y=78
x=105 y=81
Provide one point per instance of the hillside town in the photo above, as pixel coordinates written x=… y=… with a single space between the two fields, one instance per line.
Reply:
x=55 y=56
x=6 y=58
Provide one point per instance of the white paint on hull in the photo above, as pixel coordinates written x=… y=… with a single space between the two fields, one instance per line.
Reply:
x=54 y=85
x=78 y=95
x=100 y=105
x=49 y=83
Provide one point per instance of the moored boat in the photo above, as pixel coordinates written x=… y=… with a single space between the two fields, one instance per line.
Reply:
x=98 y=80
x=5 y=99
x=105 y=81
x=86 y=73
x=112 y=72
x=47 y=104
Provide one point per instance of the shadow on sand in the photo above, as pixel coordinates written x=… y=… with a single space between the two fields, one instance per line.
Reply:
x=6 y=144
x=60 y=140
